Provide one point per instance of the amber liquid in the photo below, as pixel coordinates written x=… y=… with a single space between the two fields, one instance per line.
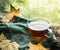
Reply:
x=36 y=33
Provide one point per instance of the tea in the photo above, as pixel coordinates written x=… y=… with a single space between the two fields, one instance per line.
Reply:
x=38 y=28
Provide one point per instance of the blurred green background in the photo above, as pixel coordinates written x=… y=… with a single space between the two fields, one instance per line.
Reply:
x=32 y=8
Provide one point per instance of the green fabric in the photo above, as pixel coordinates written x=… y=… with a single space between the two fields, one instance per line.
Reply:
x=18 y=31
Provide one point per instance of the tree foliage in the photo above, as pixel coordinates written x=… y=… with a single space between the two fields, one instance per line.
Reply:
x=31 y=8
x=3 y=3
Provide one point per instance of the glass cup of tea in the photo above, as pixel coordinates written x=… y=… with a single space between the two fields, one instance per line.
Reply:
x=38 y=28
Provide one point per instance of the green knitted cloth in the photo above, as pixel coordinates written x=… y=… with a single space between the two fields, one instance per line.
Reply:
x=18 y=32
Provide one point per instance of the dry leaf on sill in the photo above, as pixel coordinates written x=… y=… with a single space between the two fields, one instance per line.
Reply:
x=2 y=37
x=36 y=47
x=6 y=44
x=9 y=15
x=12 y=13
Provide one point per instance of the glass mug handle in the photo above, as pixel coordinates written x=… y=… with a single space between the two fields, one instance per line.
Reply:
x=48 y=36
x=42 y=19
